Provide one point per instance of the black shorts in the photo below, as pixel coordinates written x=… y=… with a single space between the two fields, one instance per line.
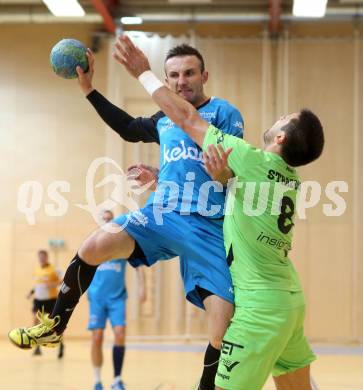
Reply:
x=47 y=304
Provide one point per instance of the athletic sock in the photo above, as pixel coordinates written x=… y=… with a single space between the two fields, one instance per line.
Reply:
x=118 y=353
x=116 y=380
x=97 y=374
x=313 y=384
x=211 y=359
x=77 y=279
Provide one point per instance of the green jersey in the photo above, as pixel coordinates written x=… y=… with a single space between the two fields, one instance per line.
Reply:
x=259 y=215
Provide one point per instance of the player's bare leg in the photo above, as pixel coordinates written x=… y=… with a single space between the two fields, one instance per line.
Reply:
x=103 y=245
x=219 y=313
x=296 y=380
x=97 y=356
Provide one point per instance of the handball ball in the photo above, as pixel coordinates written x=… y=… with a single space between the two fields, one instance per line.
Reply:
x=66 y=55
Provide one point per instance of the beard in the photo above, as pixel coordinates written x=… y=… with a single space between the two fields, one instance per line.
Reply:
x=266 y=137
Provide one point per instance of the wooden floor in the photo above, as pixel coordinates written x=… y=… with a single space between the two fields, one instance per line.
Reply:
x=151 y=367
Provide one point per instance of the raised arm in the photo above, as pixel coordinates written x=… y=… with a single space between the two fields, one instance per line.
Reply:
x=126 y=126
x=181 y=112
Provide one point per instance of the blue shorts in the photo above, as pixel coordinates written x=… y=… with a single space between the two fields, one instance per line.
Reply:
x=100 y=310
x=197 y=240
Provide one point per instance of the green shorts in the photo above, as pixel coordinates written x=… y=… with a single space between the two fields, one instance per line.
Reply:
x=266 y=335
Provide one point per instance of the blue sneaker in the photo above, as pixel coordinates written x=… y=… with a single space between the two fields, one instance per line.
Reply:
x=98 y=386
x=118 y=386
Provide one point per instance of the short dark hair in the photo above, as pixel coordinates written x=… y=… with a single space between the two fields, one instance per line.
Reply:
x=42 y=252
x=304 y=139
x=108 y=211
x=185 y=50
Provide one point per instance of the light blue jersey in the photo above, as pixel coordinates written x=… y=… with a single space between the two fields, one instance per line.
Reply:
x=185 y=216
x=184 y=185
x=185 y=229
x=109 y=281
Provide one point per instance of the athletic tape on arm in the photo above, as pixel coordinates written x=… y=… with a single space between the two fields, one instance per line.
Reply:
x=150 y=82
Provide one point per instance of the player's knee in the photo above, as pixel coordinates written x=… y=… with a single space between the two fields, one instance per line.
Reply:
x=120 y=336
x=88 y=250
x=216 y=335
x=97 y=339
x=216 y=341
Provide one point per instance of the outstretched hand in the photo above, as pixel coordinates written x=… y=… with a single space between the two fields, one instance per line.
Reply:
x=143 y=174
x=85 y=78
x=131 y=57
x=216 y=163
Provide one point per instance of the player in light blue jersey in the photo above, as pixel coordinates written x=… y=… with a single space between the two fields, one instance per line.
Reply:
x=183 y=218
x=181 y=163
x=107 y=296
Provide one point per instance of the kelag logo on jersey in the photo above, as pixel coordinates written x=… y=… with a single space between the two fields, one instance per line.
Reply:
x=182 y=152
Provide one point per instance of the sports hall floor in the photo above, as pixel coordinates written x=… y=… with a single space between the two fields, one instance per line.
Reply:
x=153 y=367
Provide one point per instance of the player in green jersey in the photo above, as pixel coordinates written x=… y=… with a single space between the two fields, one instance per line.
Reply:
x=266 y=334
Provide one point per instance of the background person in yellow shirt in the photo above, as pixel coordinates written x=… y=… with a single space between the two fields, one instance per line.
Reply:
x=44 y=291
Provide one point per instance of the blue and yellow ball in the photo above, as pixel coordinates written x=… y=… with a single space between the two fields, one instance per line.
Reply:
x=66 y=55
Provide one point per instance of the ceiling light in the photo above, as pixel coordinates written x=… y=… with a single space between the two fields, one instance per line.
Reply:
x=131 y=20
x=309 y=8
x=64 y=7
